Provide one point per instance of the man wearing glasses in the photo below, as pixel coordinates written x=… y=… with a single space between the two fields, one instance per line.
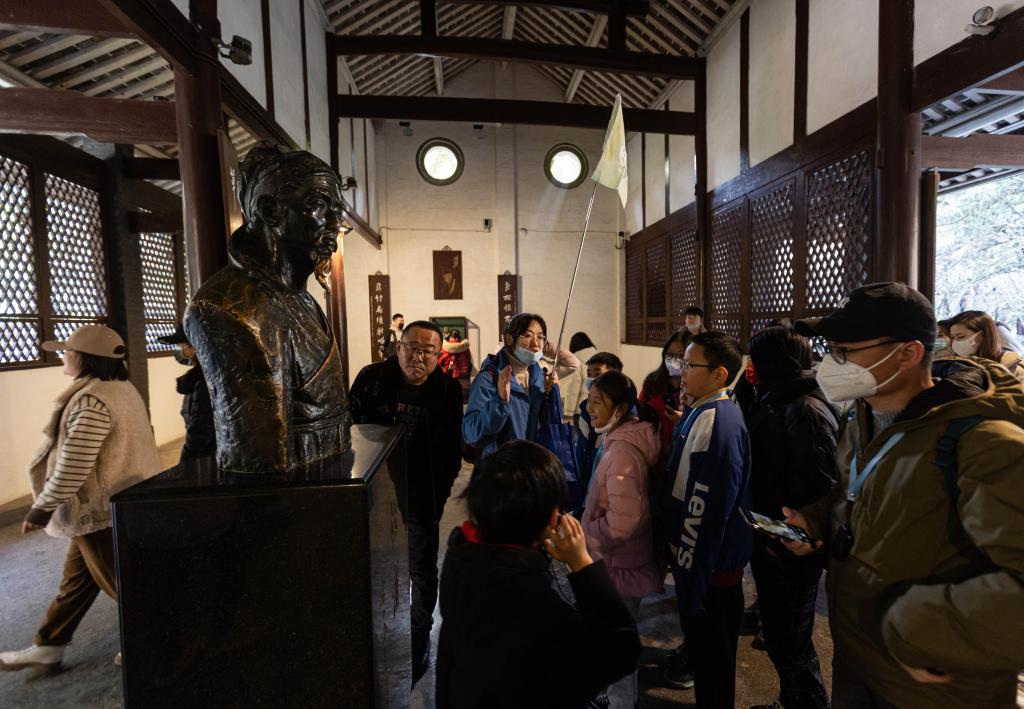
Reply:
x=925 y=530
x=410 y=389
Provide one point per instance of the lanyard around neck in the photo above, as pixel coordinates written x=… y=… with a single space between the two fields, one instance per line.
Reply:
x=857 y=478
x=710 y=398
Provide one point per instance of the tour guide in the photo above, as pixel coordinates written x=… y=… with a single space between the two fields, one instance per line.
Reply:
x=926 y=528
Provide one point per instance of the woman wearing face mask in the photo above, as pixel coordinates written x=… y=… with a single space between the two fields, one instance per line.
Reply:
x=661 y=387
x=617 y=521
x=506 y=396
x=974 y=335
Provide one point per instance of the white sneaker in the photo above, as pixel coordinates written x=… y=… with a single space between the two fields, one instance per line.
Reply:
x=40 y=656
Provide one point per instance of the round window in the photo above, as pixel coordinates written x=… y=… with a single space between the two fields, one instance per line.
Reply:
x=439 y=161
x=566 y=166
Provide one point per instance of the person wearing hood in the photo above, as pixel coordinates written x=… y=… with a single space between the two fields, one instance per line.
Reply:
x=506 y=397
x=509 y=639
x=793 y=433
x=574 y=387
x=925 y=530
x=196 y=410
x=617 y=521
x=975 y=334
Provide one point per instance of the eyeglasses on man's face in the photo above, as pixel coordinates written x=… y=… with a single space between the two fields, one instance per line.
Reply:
x=424 y=353
x=840 y=354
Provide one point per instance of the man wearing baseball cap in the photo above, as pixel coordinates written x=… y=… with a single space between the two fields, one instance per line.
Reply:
x=925 y=531
x=196 y=409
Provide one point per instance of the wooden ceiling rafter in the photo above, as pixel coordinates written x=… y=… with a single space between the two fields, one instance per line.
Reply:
x=116 y=61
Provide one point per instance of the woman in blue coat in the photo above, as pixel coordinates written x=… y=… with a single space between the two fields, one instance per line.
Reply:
x=506 y=396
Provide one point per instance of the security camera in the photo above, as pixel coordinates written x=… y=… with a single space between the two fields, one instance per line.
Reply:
x=238 y=52
x=981 y=21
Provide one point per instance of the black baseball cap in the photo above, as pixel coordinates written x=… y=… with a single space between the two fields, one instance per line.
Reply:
x=178 y=337
x=893 y=310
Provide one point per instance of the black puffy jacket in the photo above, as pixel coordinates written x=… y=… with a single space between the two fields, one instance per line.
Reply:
x=196 y=410
x=793 y=432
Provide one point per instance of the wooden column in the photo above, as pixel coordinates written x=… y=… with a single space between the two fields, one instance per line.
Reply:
x=700 y=144
x=898 y=147
x=199 y=118
x=929 y=205
x=124 y=266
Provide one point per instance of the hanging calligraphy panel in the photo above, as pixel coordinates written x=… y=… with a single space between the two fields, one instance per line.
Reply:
x=380 y=315
x=508 y=299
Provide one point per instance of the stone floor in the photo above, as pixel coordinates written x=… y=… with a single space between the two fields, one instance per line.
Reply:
x=30 y=572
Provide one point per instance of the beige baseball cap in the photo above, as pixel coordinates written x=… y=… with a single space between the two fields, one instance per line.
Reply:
x=97 y=340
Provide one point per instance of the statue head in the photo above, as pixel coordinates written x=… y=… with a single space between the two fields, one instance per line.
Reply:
x=292 y=207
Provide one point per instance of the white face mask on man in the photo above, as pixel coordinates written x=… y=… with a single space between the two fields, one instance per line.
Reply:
x=850 y=381
x=968 y=346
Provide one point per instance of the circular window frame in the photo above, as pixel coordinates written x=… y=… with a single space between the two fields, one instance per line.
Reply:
x=584 y=166
x=460 y=161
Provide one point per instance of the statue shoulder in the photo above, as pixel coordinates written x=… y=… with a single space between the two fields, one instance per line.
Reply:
x=233 y=292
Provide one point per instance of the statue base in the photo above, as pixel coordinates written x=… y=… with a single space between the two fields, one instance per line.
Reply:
x=268 y=590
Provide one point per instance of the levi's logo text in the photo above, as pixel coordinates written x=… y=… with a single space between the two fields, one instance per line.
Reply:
x=691 y=526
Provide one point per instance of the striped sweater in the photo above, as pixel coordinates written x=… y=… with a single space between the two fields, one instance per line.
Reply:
x=88 y=426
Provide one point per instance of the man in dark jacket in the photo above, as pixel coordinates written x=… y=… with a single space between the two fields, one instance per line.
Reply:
x=200 y=439
x=793 y=433
x=508 y=639
x=408 y=388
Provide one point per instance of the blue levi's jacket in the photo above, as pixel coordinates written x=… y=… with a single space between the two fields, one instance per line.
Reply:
x=489 y=421
x=708 y=482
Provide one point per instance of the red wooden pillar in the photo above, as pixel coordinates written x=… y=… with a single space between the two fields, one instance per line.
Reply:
x=197 y=100
x=897 y=242
x=700 y=144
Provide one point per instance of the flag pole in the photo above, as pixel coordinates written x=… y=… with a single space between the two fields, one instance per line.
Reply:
x=575 y=271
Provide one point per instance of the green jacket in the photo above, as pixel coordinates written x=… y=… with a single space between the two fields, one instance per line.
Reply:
x=906 y=591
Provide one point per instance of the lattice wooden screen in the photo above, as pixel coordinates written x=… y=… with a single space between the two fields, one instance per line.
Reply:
x=20 y=321
x=683 y=247
x=159 y=288
x=655 y=299
x=839 y=209
x=771 y=257
x=726 y=269
x=78 y=277
x=634 y=295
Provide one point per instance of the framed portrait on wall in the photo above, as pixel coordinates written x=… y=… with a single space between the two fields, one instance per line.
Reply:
x=447 y=275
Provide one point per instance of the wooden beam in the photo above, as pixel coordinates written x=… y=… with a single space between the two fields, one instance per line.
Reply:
x=619 y=62
x=105 y=120
x=333 y=60
x=361 y=226
x=617 y=26
x=154 y=222
x=86 y=17
x=159 y=24
x=702 y=198
x=245 y=109
x=428 y=18
x=978 y=150
x=538 y=113
x=1010 y=83
x=745 y=91
x=929 y=208
x=632 y=8
x=268 y=54
x=801 y=70
x=972 y=61
x=438 y=76
x=151 y=169
x=593 y=39
x=898 y=147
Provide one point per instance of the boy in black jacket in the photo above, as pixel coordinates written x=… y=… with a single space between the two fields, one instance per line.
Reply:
x=508 y=639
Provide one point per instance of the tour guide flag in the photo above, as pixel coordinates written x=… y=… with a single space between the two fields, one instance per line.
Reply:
x=611 y=169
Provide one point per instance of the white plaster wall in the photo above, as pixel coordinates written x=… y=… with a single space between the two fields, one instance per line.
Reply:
x=164 y=399
x=34 y=391
x=842 y=56
x=634 y=208
x=682 y=169
x=286 y=46
x=503 y=180
x=724 y=108
x=655 y=177
x=182 y=6
x=638 y=361
x=939 y=24
x=319 y=95
x=244 y=18
x=772 y=76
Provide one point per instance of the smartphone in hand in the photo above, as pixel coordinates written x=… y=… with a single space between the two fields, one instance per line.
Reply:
x=775 y=528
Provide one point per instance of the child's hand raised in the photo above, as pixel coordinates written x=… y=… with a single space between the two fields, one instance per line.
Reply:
x=568 y=545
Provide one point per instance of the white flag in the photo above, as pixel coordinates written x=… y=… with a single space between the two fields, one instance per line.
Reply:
x=611 y=169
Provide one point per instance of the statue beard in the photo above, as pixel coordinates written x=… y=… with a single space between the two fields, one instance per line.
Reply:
x=321 y=268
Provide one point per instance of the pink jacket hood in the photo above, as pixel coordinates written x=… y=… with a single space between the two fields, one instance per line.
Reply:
x=639 y=434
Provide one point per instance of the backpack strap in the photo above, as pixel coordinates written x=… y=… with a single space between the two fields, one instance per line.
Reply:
x=946 y=462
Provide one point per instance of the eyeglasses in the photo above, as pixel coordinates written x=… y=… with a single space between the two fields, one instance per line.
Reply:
x=416 y=352
x=687 y=366
x=539 y=339
x=839 y=354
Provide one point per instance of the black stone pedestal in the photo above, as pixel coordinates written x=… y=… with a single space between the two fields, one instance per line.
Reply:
x=270 y=591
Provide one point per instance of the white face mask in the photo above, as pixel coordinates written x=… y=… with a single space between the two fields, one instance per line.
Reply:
x=967 y=346
x=589 y=382
x=674 y=365
x=694 y=328
x=608 y=426
x=849 y=381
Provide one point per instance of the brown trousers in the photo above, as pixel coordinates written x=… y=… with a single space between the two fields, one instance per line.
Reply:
x=88 y=569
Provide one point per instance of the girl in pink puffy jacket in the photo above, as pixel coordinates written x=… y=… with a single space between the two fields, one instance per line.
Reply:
x=617 y=520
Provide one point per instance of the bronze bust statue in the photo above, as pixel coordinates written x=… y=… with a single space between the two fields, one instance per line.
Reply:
x=271 y=361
